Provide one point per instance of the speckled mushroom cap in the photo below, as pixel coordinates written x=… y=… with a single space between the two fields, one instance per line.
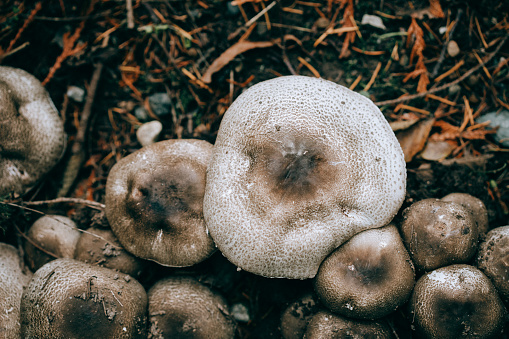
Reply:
x=181 y=307
x=474 y=205
x=300 y=165
x=32 y=137
x=67 y=298
x=493 y=259
x=368 y=277
x=13 y=278
x=154 y=202
x=456 y=301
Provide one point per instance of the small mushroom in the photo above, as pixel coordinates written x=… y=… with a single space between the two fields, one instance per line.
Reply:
x=368 y=277
x=67 y=298
x=154 y=202
x=439 y=233
x=181 y=307
x=296 y=316
x=13 y=278
x=32 y=137
x=493 y=259
x=300 y=165
x=50 y=237
x=326 y=325
x=100 y=247
x=474 y=205
x=456 y=301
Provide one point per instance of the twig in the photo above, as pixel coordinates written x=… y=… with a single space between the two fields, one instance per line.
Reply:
x=30 y=18
x=130 y=16
x=444 y=48
x=14 y=50
x=89 y=203
x=441 y=88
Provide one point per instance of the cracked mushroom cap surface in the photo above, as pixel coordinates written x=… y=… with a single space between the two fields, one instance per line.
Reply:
x=475 y=206
x=32 y=137
x=67 y=298
x=154 y=202
x=300 y=165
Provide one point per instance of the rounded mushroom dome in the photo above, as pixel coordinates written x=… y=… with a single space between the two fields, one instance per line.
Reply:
x=32 y=137
x=300 y=165
x=154 y=202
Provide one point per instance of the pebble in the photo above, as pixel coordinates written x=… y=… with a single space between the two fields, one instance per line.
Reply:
x=160 y=103
x=141 y=113
x=148 y=133
x=373 y=20
x=453 y=48
x=500 y=119
x=454 y=89
x=240 y=313
x=76 y=93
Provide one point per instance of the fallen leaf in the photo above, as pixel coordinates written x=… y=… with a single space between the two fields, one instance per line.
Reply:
x=438 y=150
x=451 y=132
x=412 y=140
x=402 y=124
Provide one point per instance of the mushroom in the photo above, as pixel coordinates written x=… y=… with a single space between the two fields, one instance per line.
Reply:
x=493 y=259
x=456 y=301
x=325 y=325
x=474 y=205
x=67 y=298
x=100 y=247
x=13 y=278
x=154 y=202
x=367 y=277
x=181 y=307
x=296 y=316
x=32 y=137
x=300 y=165
x=438 y=233
x=50 y=237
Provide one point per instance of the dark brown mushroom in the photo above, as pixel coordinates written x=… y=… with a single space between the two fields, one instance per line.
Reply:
x=296 y=316
x=474 y=205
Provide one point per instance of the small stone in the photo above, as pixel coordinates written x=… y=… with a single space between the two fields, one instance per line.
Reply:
x=442 y=30
x=141 y=113
x=454 y=89
x=373 y=20
x=453 y=48
x=473 y=80
x=148 y=133
x=240 y=313
x=500 y=119
x=76 y=93
x=322 y=23
x=160 y=103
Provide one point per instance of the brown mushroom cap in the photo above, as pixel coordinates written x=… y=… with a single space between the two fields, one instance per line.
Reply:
x=326 y=325
x=368 y=277
x=154 y=202
x=55 y=234
x=493 y=259
x=181 y=307
x=13 y=278
x=101 y=247
x=300 y=165
x=438 y=233
x=67 y=298
x=457 y=301
x=296 y=316
x=32 y=137
x=474 y=205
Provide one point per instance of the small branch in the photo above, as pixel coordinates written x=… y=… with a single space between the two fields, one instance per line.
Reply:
x=441 y=88
x=444 y=48
x=89 y=203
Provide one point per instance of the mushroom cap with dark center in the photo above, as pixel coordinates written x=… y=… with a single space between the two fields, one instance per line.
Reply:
x=439 y=233
x=181 y=307
x=456 y=301
x=368 y=277
x=32 y=137
x=154 y=200
x=474 y=205
x=300 y=165
x=493 y=259
x=67 y=298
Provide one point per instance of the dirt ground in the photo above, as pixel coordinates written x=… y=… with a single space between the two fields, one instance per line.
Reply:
x=202 y=54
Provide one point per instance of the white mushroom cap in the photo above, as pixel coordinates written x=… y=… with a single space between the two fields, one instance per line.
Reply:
x=300 y=165
x=32 y=137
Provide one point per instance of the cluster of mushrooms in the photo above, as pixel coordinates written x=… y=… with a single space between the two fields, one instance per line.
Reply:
x=302 y=183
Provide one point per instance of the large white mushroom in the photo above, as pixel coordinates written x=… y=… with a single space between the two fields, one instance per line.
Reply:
x=32 y=137
x=300 y=165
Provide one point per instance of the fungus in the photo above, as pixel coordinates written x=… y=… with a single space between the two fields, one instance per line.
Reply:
x=181 y=307
x=55 y=237
x=296 y=316
x=67 y=298
x=438 y=233
x=300 y=165
x=368 y=277
x=13 y=278
x=456 y=301
x=493 y=259
x=32 y=137
x=154 y=202
x=474 y=205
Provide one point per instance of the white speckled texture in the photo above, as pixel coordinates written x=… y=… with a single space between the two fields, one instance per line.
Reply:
x=13 y=278
x=32 y=138
x=358 y=181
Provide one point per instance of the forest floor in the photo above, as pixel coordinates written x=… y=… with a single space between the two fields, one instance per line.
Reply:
x=432 y=67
